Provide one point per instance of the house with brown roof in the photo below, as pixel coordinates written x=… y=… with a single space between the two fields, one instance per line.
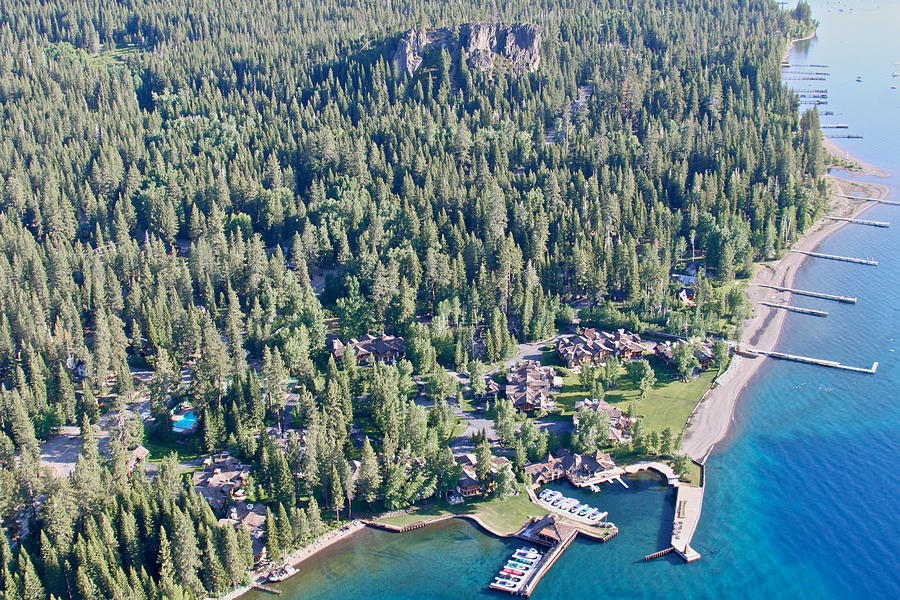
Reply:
x=551 y=531
x=371 y=348
x=253 y=517
x=222 y=481
x=529 y=386
x=468 y=484
x=595 y=347
x=574 y=467
x=620 y=424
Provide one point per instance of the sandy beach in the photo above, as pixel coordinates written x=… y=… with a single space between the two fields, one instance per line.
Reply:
x=713 y=417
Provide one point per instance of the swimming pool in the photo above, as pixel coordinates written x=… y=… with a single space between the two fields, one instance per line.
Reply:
x=186 y=423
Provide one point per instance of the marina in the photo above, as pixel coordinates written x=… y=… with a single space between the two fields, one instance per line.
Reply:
x=570 y=508
x=518 y=571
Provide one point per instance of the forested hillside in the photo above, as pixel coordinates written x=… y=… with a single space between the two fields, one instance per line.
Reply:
x=201 y=185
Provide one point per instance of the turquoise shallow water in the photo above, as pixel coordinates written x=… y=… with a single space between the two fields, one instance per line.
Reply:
x=802 y=498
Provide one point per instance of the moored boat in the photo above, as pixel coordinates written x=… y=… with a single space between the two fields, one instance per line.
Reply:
x=281 y=573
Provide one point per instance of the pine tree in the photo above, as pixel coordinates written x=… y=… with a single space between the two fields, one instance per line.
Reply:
x=32 y=588
x=337 y=493
x=185 y=552
x=369 y=481
x=273 y=537
x=316 y=528
x=234 y=564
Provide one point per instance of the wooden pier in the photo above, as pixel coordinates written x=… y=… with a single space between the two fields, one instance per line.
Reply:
x=656 y=555
x=860 y=221
x=822 y=295
x=850 y=259
x=835 y=126
x=796 y=309
x=878 y=200
x=265 y=588
x=852 y=136
x=813 y=361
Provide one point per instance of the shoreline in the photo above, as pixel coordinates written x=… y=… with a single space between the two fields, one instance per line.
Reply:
x=298 y=556
x=713 y=419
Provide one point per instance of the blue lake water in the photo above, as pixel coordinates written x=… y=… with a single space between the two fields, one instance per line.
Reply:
x=802 y=499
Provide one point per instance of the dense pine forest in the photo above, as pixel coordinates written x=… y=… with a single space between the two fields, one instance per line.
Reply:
x=209 y=192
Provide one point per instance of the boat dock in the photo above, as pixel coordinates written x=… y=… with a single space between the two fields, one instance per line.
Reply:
x=878 y=200
x=688 y=505
x=850 y=259
x=549 y=532
x=813 y=361
x=265 y=588
x=796 y=309
x=860 y=221
x=822 y=295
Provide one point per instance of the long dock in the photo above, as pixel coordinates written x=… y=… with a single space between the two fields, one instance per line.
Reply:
x=878 y=200
x=688 y=505
x=822 y=295
x=265 y=588
x=850 y=259
x=813 y=361
x=860 y=221
x=796 y=309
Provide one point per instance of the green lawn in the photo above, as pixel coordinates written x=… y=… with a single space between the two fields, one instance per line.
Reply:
x=668 y=404
x=466 y=403
x=503 y=515
x=159 y=449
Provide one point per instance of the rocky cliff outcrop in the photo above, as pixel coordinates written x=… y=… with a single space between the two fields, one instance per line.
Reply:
x=410 y=51
x=521 y=44
x=482 y=42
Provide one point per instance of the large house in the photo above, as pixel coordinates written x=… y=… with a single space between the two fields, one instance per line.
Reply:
x=574 y=467
x=371 y=348
x=665 y=351
x=595 y=347
x=253 y=517
x=469 y=485
x=222 y=481
x=529 y=385
x=620 y=424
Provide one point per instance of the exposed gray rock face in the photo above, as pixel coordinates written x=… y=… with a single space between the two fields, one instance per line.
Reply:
x=409 y=52
x=483 y=42
x=521 y=44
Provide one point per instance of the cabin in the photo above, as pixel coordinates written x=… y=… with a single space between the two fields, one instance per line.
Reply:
x=687 y=297
x=370 y=348
x=530 y=385
x=594 y=347
x=253 y=517
x=620 y=424
x=704 y=353
x=469 y=485
x=138 y=455
x=222 y=482
x=551 y=531
x=566 y=464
